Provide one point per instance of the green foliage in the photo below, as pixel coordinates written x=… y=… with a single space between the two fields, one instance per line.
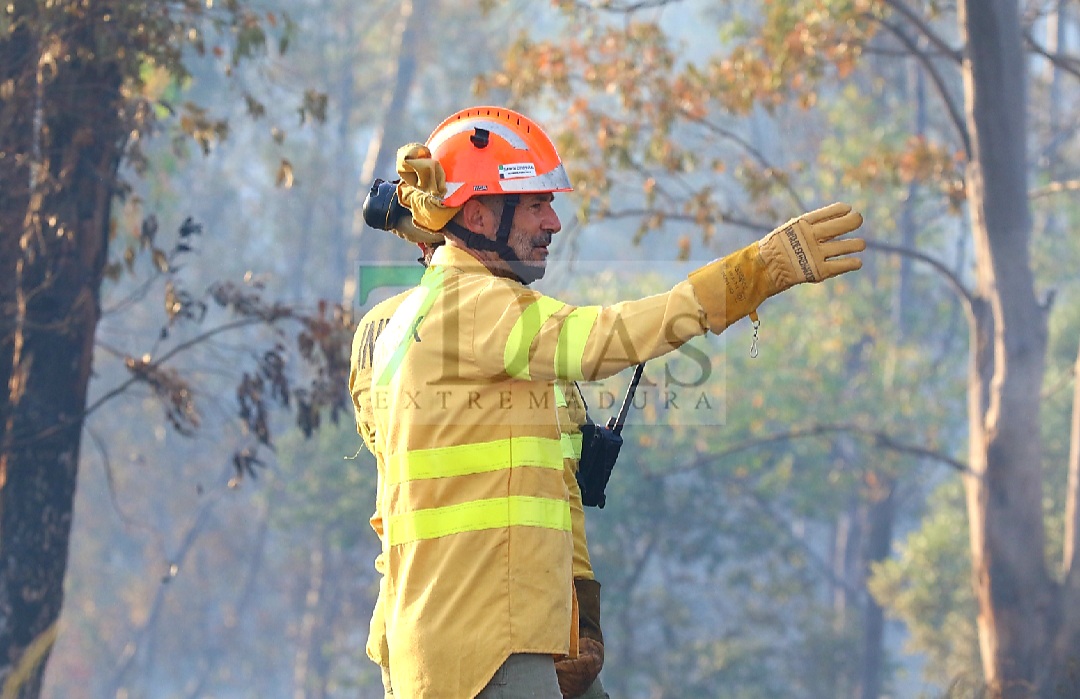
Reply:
x=927 y=585
x=327 y=484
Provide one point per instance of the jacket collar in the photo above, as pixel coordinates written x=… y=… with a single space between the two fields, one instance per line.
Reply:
x=451 y=256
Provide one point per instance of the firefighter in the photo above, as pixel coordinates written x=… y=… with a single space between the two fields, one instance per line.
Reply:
x=578 y=677
x=473 y=504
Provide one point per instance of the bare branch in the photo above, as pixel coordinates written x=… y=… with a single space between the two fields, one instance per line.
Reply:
x=881 y=439
x=1069 y=64
x=821 y=565
x=681 y=217
x=924 y=29
x=183 y=346
x=1055 y=188
x=937 y=265
x=110 y=481
x=748 y=148
x=955 y=114
x=142 y=632
x=623 y=7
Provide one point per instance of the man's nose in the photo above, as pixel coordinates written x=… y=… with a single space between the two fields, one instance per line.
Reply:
x=551 y=220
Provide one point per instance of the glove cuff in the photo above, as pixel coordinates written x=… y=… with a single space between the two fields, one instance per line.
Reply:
x=588 y=595
x=732 y=287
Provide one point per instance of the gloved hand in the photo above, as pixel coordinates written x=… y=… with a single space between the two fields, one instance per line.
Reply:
x=804 y=249
x=422 y=187
x=577 y=674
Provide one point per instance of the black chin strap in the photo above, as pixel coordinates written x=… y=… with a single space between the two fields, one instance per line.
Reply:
x=510 y=202
x=526 y=273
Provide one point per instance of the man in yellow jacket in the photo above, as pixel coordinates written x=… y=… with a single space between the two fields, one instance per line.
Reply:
x=473 y=506
x=578 y=677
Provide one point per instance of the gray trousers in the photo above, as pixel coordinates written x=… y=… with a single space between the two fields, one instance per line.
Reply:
x=523 y=676
x=595 y=691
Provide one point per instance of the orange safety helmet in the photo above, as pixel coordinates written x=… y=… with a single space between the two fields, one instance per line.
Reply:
x=493 y=150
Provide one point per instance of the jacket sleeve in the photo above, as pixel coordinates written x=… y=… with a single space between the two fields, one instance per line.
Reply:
x=361 y=364
x=377 y=647
x=360 y=375
x=360 y=385
x=523 y=334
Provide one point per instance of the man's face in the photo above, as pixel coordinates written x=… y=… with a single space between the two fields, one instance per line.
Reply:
x=535 y=222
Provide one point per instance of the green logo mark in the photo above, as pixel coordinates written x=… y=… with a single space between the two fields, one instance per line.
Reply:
x=375 y=276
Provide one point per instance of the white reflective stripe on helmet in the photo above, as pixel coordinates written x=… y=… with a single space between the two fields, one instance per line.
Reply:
x=548 y=182
x=451 y=187
x=496 y=127
x=554 y=181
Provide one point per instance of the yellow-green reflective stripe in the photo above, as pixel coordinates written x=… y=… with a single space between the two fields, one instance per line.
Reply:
x=566 y=440
x=432 y=281
x=575 y=441
x=560 y=397
x=567 y=443
x=484 y=457
x=494 y=513
x=528 y=325
x=576 y=328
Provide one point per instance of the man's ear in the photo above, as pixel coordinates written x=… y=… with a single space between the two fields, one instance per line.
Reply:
x=478 y=218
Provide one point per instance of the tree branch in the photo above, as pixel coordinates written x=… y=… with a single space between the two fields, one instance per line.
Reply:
x=110 y=481
x=1069 y=64
x=1055 y=188
x=816 y=561
x=50 y=430
x=955 y=115
x=924 y=29
x=142 y=632
x=937 y=265
x=687 y=218
x=880 y=438
x=747 y=147
x=183 y=346
x=623 y=7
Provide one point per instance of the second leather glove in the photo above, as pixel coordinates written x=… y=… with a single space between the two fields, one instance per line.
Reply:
x=576 y=675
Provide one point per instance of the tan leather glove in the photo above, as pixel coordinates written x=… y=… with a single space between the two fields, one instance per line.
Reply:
x=576 y=675
x=422 y=187
x=805 y=249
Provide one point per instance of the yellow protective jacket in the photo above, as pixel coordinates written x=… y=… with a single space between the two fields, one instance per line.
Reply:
x=474 y=506
x=568 y=402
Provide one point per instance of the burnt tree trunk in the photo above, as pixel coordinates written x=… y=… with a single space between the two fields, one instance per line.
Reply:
x=61 y=139
x=1018 y=602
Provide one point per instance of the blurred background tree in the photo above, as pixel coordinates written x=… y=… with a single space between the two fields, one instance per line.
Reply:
x=807 y=539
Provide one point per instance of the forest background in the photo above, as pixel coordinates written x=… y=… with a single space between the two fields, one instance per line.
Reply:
x=881 y=503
